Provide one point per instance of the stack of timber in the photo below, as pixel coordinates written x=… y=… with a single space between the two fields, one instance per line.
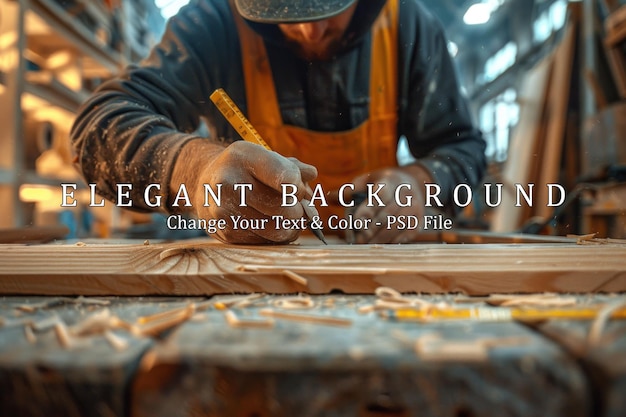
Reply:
x=615 y=44
x=536 y=148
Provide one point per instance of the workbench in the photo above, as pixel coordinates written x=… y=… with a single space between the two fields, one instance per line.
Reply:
x=331 y=354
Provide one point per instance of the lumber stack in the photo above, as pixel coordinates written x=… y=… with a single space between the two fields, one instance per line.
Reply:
x=536 y=147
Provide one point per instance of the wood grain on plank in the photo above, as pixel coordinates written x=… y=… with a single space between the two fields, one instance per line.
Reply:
x=204 y=268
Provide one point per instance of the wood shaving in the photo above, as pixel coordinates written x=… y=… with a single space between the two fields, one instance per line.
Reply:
x=329 y=302
x=31 y=308
x=117 y=342
x=204 y=305
x=238 y=301
x=331 y=321
x=541 y=300
x=388 y=293
x=389 y=298
x=599 y=323
x=93 y=324
x=295 y=277
x=162 y=314
x=46 y=323
x=198 y=317
x=366 y=309
x=63 y=335
x=30 y=335
x=590 y=239
x=90 y=300
x=234 y=321
x=294 y=303
x=395 y=305
x=582 y=238
x=80 y=244
x=165 y=322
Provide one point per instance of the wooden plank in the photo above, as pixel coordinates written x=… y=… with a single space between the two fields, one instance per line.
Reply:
x=30 y=234
x=552 y=152
x=209 y=267
x=370 y=368
x=618 y=67
x=524 y=147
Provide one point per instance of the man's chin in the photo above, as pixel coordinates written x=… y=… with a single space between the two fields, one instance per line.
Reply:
x=314 y=52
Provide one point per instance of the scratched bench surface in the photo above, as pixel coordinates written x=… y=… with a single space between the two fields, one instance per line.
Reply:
x=209 y=267
x=361 y=364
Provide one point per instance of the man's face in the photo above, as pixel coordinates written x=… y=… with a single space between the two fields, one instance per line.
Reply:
x=316 y=40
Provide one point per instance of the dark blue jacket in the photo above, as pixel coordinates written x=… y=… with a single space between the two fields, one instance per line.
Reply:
x=132 y=128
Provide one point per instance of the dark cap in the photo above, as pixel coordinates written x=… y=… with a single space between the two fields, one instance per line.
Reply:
x=290 y=11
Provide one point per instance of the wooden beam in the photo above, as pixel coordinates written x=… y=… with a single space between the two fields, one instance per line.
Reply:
x=208 y=267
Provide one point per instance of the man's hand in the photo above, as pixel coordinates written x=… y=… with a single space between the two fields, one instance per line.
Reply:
x=413 y=175
x=202 y=162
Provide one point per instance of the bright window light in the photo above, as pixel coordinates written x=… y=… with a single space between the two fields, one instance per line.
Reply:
x=480 y=13
x=453 y=49
x=477 y=14
x=170 y=7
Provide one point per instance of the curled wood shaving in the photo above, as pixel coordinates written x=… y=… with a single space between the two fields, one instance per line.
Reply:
x=388 y=293
x=599 y=323
x=390 y=299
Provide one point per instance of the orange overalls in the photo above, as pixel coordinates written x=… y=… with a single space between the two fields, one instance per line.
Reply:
x=338 y=156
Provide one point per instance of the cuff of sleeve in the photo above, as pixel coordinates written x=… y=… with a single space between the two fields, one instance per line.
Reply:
x=442 y=176
x=167 y=145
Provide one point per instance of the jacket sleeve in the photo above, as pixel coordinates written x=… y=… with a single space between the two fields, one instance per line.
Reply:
x=436 y=119
x=132 y=128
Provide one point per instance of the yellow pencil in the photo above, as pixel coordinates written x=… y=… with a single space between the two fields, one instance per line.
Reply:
x=497 y=314
x=242 y=125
